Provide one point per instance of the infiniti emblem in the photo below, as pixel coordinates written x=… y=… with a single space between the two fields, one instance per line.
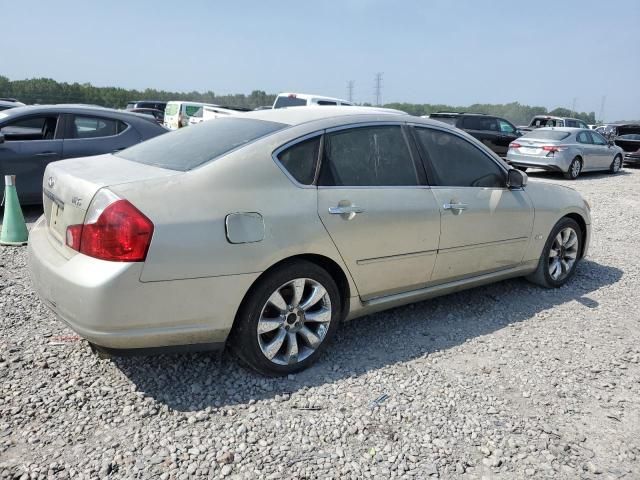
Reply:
x=51 y=182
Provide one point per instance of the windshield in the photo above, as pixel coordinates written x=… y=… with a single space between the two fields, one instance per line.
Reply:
x=191 y=147
x=547 y=135
x=287 y=101
x=172 y=109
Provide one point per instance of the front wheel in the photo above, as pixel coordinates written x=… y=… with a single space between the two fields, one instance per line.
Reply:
x=287 y=319
x=616 y=165
x=575 y=167
x=560 y=255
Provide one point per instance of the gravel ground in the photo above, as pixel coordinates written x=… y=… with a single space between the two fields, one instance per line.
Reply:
x=505 y=381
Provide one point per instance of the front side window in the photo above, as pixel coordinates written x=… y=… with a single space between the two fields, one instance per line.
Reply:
x=95 y=127
x=191 y=110
x=41 y=127
x=583 y=137
x=506 y=127
x=458 y=163
x=172 y=109
x=598 y=139
x=300 y=160
x=367 y=156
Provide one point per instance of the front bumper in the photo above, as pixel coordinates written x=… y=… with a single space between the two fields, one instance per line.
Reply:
x=106 y=303
x=633 y=157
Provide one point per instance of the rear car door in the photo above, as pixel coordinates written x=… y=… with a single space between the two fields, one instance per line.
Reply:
x=602 y=150
x=485 y=226
x=374 y=203
x=485 y=129
x=590 y=158
x=31 y=143
x=88 y=135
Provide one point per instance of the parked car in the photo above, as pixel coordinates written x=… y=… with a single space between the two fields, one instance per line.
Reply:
x=627 y=137
x=158 y=115
x=495 y=132
x=7 y=103
x=154 y=104
x=32 y=137
x=540 y=121
x=245 y=230
x=567 y=150
x=209 y=113
x=177 y=114
x=305 y=99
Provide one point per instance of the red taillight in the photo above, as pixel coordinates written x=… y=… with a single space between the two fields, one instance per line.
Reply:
x=552 y=148
x=514 y=145
x=120 y=234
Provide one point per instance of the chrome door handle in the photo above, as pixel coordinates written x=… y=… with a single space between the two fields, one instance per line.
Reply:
x=340 y=210
x=455 y=206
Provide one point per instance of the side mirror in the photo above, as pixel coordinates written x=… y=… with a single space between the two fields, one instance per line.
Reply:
x=516 y=178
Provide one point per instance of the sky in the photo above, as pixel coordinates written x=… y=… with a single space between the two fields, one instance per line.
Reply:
x=456 y=52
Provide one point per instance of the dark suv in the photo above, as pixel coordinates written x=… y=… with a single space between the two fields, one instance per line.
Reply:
x=495 y=132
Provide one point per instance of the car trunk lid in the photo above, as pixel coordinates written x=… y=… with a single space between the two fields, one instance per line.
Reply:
x=69 y=186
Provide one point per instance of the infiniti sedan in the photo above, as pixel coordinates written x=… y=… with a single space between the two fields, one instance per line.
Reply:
x=567 y=150
x=32 y=137
x=266 y=231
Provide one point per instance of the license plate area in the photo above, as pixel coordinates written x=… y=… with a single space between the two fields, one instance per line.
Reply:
x=530 y=150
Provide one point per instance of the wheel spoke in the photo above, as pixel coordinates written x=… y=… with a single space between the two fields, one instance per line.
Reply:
x=553 y=269
x=277 y=301
x=570 y=254
x=566 y=233
x=266 y=325
x=316 y=295
x=553 y=253
x=559 y=240
x=291 y=354
x=321 y=316
x=298 y=290
x=573 y=239
x=273 y=347
x=311 y=338
x=565 y=265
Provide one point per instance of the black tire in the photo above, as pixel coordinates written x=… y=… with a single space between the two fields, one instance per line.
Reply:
x=616 y=165
x=574 y=171
x=245 y=341
x=542 y=275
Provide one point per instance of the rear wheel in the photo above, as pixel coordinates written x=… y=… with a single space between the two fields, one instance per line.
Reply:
x=616 y=165
x=560 y=255
x=287 y=319
x=575 y=167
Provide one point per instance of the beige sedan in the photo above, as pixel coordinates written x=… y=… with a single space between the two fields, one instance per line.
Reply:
x=267 y=230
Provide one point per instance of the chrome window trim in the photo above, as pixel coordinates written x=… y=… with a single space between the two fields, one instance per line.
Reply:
x=291 y=143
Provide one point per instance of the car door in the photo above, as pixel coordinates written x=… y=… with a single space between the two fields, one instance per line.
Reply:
x=88 y=134
x=485 y=226
x=31 y=143
x=508 y=133
x=602 y=150
x=590 y=155
x=483 y=128
x=374 y=203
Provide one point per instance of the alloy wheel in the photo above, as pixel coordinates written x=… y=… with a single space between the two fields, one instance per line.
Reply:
x=617 y=164
x=575 y=168
x=294 y=321
x=563 y=253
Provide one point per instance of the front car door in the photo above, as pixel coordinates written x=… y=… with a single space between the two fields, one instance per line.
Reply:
x=31 y=143
x=88 y=135
x=485 y=226
x=602 y=149
x=373 y=201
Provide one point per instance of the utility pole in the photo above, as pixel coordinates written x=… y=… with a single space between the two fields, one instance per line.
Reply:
x=350 y=90
x=573 y=107
x=378 y=88
x=601 y=116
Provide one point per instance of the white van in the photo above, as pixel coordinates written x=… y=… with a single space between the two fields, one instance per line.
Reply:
x=177 y=113
x=208 y=113
x=304 y=99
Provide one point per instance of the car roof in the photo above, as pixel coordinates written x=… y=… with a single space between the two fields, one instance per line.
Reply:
x=299 y=115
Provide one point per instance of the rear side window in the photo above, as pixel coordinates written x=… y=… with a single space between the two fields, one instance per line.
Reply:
x=597 y=138
x=95 y=127
x=547 y=135
x=326 y=102
x=300 y=160
x=282 y=102
x=480 y=123
x=191 y=147
x=584 y=137
x=457 y=163
x=367 y=156
x=172 y=109
x=191 y=110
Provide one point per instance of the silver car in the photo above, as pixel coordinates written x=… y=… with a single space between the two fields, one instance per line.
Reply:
x=567 y=150
x=266 y=231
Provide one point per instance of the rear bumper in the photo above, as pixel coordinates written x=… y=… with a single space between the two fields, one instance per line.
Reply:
x=106 y=303
x=554 y=164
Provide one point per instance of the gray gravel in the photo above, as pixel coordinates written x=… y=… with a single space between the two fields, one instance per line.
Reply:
x=505 y=381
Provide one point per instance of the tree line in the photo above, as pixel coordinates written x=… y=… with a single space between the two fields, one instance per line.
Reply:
x=47 y=90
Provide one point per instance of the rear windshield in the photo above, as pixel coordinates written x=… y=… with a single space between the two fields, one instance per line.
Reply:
x=547 y=122
x=282 y=102
x=188 y=148
x=172 y=109
x=547 y=135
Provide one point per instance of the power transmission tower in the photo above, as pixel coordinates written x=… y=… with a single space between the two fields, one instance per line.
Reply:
x=601 y=116
x=350 y=90
x=378 y=88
